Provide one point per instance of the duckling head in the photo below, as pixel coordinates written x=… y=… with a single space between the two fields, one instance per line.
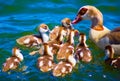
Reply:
x=43 y=28
x=66 y=22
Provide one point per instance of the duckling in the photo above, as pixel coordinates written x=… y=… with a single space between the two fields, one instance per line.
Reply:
x=66 y=24
x=109 y=57
x=45 y=62
x=64 y=67
x=13 y=61
x=82 y=51
x=35 y=40
x=67 y=47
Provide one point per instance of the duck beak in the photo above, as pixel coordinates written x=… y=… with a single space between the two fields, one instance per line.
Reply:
x=77 y=19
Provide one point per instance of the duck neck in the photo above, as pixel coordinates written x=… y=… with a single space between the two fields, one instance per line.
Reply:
x=97 y=23
x=47 y=50
x=44 y=36
x=71 y=38
x=40 y=34
x=59 y=39
x=60 y=35
x=82 y=40
x=18 y=55
x=82 y=44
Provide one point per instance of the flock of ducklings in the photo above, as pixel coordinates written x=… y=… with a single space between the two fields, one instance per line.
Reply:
x=54 y=43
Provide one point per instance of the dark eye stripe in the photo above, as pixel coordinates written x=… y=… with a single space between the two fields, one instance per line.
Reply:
x=82 y=11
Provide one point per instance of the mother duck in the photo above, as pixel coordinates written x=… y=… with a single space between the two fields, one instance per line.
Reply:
x=99 y=34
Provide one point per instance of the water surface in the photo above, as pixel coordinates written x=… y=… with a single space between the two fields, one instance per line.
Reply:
x=21 y=17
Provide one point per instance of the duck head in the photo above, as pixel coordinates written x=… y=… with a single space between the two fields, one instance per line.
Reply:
x=16 y=52
x=88 y=13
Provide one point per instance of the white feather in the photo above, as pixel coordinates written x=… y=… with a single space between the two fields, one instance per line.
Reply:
x=67 y=64
x=63 y=69
x=81 y=54
x=45 y=37
x=11 y=65
x=50 y=63
x=72 y=60
x=113 y=62
x=89 y=54
x=41 y=63
x=19 y=55
x=26 y=41
x=16 y=60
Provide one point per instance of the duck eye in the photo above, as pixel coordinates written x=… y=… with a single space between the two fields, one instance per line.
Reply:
x=83 y=11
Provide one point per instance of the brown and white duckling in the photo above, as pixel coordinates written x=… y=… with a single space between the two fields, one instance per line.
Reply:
x=99 y=34
x=82 y=51
x=35 y=40
x=45 y=62
x=64 y=67
x=109 y=57
x=66 y=24
x=68 y=47
x=13 y=61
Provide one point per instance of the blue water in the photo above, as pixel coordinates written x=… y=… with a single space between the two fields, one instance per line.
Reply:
x=21 y=17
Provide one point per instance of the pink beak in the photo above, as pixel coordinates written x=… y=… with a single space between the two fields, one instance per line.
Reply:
x=77 y=19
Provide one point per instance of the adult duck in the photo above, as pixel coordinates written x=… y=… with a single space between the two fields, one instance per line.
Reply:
x=35 y=40
x=99 y=34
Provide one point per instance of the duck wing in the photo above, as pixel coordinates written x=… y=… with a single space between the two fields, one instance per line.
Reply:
x=114 y=37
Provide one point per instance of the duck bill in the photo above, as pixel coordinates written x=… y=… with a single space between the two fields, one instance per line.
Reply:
x=77 y=19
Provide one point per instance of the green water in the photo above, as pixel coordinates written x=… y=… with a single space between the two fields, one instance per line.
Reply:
x=21 y=17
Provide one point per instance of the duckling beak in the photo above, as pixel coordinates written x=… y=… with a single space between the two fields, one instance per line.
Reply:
x=77 y=19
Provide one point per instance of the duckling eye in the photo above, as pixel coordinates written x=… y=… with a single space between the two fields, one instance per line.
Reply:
x=45 y=27
x=83 y=11
x=68 y=23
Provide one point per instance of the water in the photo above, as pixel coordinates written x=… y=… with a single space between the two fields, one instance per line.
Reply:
x=21 y=17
